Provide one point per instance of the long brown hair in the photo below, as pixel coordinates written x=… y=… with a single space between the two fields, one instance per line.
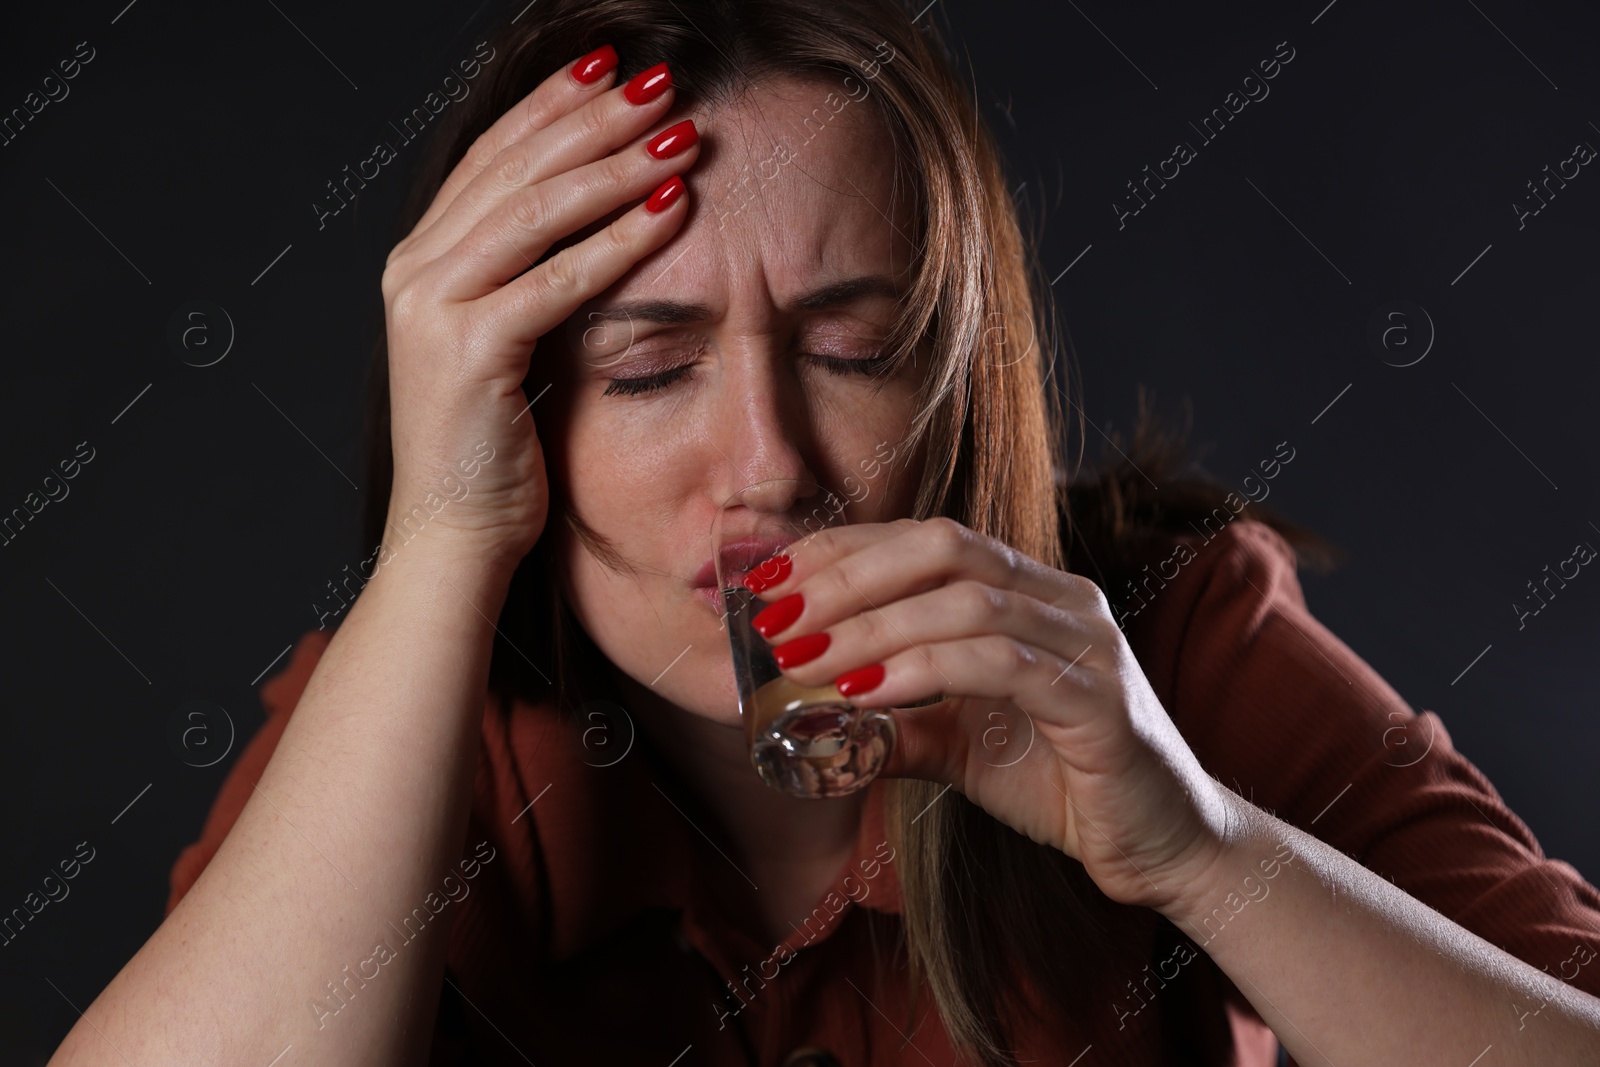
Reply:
x=989 y=425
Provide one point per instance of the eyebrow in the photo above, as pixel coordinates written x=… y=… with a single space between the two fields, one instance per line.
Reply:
x=679 y=313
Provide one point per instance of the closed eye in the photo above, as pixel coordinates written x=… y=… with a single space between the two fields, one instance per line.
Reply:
x=654 y=383
x=838 y=365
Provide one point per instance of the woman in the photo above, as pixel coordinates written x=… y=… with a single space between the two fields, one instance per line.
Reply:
x=1055 y=866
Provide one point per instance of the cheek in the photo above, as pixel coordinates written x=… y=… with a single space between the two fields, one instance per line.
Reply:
x=875 y=490
x=645 y=623
x=649 y=631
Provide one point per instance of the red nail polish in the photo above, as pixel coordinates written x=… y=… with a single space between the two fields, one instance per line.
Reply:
x=771 y=571
x=648 y=84
x=778 y=616
x=663 y=197
x=592 y=67
x=800 y=650
x=853 y=683
x=674 y=139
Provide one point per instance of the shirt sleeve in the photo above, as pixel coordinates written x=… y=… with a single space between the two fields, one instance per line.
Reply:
x=1278 y=708
x=279 y=695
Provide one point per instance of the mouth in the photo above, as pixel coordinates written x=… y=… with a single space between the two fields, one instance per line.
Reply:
x=739 y=558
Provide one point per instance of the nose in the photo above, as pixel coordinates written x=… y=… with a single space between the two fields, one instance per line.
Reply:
x=764 y=432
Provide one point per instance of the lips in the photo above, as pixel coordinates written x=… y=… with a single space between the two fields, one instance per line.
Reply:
x=738 y=559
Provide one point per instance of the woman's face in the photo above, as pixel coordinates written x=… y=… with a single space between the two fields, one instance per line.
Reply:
x=738 y=347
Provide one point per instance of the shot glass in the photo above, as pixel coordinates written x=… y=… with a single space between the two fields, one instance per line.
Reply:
x=807 y=741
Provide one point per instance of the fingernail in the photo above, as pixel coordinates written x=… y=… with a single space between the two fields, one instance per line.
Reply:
x=672 y=140
x=663 y=197
x=800 y=650
x=852 y=683
x=592 y=67
x=648 y=84
x=778 y=616
x=771 y=571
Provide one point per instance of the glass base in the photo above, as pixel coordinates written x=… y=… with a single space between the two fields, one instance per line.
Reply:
x=823 y=750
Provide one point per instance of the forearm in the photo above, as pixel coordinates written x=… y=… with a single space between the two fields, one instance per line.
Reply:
x=357 y=818
x=1346 y=968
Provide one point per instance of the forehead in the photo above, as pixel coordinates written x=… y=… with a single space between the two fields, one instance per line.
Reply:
x=794 y=188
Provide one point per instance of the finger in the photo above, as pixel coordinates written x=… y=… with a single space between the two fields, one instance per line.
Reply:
x=989 y=671
x=941 y=741
x=603 y=125
x=839 y=571
x=960 y=609
x=512 y=238
x=530 y=307
x=554 y=97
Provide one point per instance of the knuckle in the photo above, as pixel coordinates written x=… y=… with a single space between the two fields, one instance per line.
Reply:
x=404 y=302
x=559 y=273
x=511 y=169
x=1012 y=561
x=1102 y=605
x=1015 y=656
x=390 y=283
x=615 y=172
x=1089 y=590
x=872 y=630
x=594 y=122
x=947 y=538
x=1106 y=640
x=618 y=238
x=482 y=154
x=526 y=210
x=983 y=604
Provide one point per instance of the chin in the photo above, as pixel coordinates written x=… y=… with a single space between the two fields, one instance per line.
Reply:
x=705 y=688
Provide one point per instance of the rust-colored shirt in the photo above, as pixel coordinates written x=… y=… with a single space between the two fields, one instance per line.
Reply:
x=583 y=929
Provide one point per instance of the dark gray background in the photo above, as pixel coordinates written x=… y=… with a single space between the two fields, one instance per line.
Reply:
x=1384 y=162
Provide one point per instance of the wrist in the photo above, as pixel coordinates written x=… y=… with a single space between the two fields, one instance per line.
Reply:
x=449 y=547
x=1234 y=866
x=457 y=570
